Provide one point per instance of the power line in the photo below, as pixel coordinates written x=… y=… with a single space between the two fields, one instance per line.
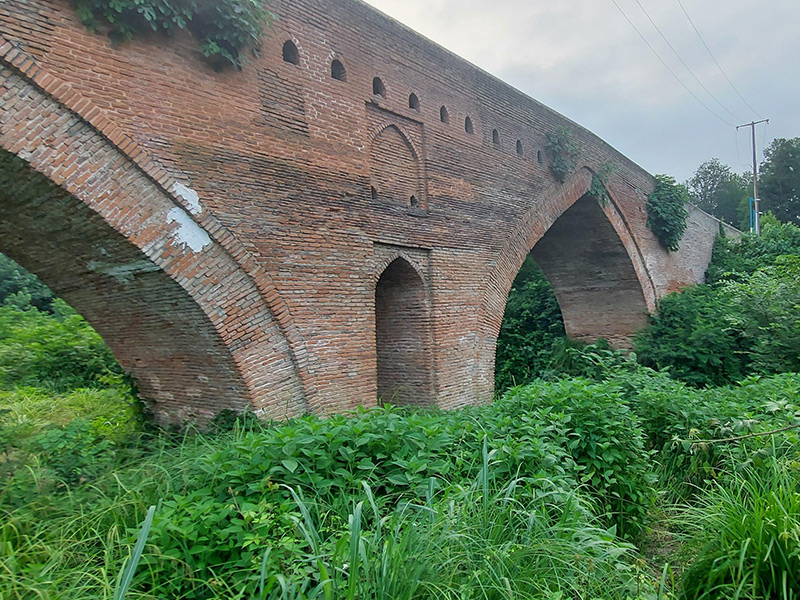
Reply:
x=683 y=62
x=721 y=70
x=668 y=68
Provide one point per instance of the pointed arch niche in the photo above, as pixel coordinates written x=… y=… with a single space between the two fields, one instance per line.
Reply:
x=395 y=173
x=403 y=337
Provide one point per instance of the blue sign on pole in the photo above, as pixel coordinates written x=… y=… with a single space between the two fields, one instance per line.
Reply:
x=752 y=214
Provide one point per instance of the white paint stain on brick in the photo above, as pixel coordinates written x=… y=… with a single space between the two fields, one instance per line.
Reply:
x=188 y=233
x=189 y=196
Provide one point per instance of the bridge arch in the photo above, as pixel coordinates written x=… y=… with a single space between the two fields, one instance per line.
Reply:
x=588 y=253
x=403 y=345
x=83 y=206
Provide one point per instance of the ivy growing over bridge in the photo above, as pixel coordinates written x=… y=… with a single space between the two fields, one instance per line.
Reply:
x=223 y=28
x=666 y=211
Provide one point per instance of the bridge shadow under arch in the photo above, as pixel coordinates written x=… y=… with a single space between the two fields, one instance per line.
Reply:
x=595 y=283
x=402 y=337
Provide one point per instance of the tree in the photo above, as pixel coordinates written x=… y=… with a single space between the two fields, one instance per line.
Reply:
x=716 y=189
x=21 y=288
x=780 y=179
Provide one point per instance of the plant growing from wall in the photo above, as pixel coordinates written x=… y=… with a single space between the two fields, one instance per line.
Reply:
x=223 y=28
x=598 y=189
x=666 y=211
x=565 y=150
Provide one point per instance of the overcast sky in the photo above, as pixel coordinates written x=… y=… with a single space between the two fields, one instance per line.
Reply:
x=583 y=59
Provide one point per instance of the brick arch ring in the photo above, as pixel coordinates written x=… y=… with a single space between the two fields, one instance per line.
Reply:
x=49 y=126
x=532 y=227
x=384 y=263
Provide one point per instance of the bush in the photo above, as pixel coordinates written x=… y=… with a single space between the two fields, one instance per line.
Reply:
x=532 y=325
x=666 y=211
x=60 y=352
x=690 y=335
x=713 y=335
x=21 y=289
x=733 y=258
x=604 y=439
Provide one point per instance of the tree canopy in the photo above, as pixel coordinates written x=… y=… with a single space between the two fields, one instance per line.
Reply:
x=716 y=189
x=780 y=179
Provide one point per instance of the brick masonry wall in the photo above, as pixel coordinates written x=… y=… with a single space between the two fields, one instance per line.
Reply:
x=297 y=191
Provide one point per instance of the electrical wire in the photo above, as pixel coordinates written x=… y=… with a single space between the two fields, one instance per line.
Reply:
x=764 y=141
x=738 y=151
x=721 y=70
x=683 y=62
x=668 y=68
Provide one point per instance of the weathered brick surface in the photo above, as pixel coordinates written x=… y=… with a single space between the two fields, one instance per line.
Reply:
x=302 y=243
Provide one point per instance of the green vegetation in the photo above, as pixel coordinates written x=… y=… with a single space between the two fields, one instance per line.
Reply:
x=666 y=211
x=532 y=326
x=744 y=321
x=600 y=479
x=223 y=28
x=565 y=150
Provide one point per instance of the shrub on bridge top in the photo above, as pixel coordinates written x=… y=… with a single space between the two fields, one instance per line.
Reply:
x=666 y=211
x=224 y=28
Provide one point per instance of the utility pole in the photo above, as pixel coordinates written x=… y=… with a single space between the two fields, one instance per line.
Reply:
x=752 y=126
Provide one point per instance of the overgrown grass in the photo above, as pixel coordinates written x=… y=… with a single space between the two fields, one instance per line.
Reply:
x=542 y=494
x=745 y=533
x=523 y=498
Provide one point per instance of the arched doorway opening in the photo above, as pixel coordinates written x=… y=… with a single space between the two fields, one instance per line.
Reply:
x=402 y=337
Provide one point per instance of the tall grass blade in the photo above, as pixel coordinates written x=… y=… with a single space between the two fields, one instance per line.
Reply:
x=133 y=561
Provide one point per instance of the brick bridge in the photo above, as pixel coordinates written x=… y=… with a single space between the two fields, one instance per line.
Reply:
x=339 y=221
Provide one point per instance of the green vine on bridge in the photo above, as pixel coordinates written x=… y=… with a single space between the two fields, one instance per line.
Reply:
x=565 y=151
x=598 y=189
x=223 y=28
x=666 y=211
